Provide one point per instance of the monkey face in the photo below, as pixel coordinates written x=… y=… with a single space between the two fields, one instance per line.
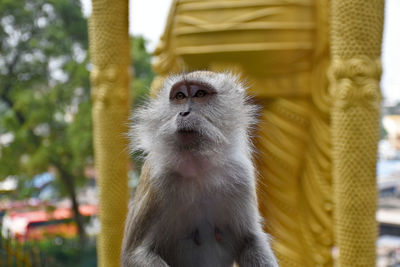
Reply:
x=198 y=111
x=189 y=98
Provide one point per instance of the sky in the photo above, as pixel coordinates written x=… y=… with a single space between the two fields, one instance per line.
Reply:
x=146 y=20
x=148 y=17
x=391 y=52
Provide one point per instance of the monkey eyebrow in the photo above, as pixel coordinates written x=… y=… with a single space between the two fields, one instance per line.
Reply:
x=207 y=86
x=188 y=83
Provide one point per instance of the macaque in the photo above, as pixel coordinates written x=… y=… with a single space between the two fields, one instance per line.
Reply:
x=196 y=205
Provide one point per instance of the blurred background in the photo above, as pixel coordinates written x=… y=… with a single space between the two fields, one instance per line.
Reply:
x=46 y=151
x=47 y=169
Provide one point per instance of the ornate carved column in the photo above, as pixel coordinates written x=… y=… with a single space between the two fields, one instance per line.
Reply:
x=356 y=31
x=282 y=49
x=110 y=77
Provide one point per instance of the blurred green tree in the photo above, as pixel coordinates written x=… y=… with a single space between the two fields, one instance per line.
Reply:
x=45 y=102
x=142 y=71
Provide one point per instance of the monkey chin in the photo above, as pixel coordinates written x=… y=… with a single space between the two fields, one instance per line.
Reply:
x=189 y=140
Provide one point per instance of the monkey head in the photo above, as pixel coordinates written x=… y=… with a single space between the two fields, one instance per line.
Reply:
x=200 y=111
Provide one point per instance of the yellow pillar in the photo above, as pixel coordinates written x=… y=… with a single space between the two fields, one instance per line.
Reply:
x=356 y=30
x=110 y=77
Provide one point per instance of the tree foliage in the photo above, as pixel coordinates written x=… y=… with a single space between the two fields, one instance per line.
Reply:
x=143 y=73
x=45 y=99
x=45 y=91
x=45 y=102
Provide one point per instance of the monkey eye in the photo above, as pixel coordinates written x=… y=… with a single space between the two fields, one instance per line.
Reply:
x=180 y=96
x=200 y=93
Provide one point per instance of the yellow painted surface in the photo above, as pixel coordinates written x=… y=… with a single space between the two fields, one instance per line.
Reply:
x=317 y=138
x=109 y=51
x=317 y=152
x=355 y=73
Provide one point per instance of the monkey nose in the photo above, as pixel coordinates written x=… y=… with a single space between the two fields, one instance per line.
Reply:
x=184 y=113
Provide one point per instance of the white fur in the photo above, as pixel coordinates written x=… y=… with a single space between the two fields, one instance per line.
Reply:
x=208 y=187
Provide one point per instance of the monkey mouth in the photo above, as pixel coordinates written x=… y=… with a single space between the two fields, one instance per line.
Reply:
x=188 y=136
x=187 y=131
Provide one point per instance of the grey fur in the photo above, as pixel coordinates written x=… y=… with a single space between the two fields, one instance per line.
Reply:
x=196 y=205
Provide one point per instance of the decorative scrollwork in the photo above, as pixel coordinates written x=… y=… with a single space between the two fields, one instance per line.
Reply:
x=109 y=85
x=355 y=82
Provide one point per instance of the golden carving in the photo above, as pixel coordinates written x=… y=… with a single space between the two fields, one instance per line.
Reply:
x=282 y=49
x=317 y=142
x=109 y=51
x=109 y=85
x=242 y=35
x=355 y=81
x=355 y=72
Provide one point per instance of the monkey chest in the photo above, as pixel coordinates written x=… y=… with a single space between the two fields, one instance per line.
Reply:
x=206 y=245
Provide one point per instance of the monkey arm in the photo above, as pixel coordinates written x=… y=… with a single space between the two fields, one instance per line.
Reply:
x=255 y=251
x=254 y=247
x=136 y=250
x=143 y=256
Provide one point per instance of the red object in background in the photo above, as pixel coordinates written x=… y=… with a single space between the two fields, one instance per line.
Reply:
x=66 y=230
x=38 y=224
